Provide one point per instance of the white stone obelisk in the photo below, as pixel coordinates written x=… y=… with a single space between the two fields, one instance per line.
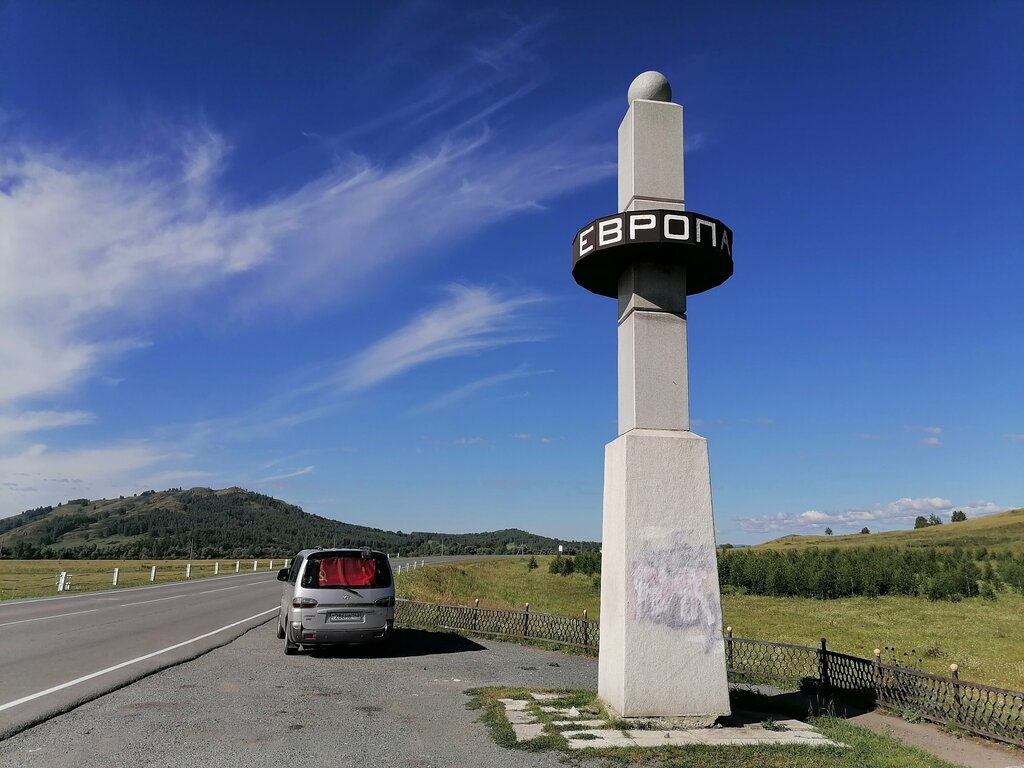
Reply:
x=662 y=652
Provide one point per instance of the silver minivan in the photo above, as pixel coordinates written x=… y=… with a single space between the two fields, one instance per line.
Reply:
x=336 y=596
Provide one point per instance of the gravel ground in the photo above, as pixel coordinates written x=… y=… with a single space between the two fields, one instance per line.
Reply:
x=247 y=704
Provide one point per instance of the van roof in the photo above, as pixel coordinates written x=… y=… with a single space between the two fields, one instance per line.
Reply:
x=344 y=550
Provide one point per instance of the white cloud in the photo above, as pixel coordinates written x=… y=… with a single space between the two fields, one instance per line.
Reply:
x=96 y=249
x=1014 y=437
x=92 y=249
x=286 y=475
x=471 y=320
x=466 y=391
x=33 y=421
x=38 y=476
x=894 y=513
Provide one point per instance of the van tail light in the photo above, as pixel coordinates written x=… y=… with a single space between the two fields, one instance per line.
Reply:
x=386 y=602
x=303 y=602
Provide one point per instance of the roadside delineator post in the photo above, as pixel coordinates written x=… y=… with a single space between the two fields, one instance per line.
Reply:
x=188 y=571
x=254 y=563
x=238 y=565
x=117 y=571
x=62 y=578
x=216 y=569
x=152 y=574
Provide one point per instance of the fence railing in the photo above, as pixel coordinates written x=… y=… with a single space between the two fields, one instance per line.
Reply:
x=996 y=713
x=563 y=630
x=38 y=578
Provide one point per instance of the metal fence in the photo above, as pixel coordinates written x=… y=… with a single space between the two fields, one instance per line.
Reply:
x=995 y=713
x=563 y=630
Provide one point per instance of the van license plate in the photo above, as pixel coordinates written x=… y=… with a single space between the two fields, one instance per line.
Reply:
x=345 y=616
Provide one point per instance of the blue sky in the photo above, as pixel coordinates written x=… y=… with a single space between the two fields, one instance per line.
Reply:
x=323 y=252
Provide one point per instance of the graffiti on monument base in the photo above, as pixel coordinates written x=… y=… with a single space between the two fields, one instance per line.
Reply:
x=677 y=587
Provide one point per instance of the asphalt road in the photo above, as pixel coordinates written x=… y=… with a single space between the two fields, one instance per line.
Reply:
x=247 y=704
x=58 y=652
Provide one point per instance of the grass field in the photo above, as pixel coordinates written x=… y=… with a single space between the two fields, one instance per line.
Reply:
x=986 y=638
x=38 y=578
x=1004 y=531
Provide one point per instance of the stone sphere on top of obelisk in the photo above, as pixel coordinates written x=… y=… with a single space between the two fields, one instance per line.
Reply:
x=649 y=86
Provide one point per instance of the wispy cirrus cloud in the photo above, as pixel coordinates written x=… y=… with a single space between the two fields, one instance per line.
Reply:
x=34 y=421
x=471 y=319
x=38 y=474
x=467 y=391
x=286 y=475
x=931 y=437
x=147 y=233
x=893 y=513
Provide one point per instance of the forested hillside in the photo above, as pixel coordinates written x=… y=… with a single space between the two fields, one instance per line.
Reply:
x=205 y=523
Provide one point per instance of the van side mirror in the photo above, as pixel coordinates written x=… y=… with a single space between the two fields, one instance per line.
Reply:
x=282 y=575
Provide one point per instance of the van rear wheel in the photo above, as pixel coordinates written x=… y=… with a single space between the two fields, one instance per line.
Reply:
x=290 y=648
x=280 y=629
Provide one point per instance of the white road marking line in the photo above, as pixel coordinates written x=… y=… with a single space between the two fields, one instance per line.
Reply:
x=44 y=618
x=9 y=603
x=123 y=664
x=223 y=589
x=155 y=600
x=175 y=597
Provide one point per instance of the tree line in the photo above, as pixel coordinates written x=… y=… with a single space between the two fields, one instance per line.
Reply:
x=830 y=573
x=204 y=524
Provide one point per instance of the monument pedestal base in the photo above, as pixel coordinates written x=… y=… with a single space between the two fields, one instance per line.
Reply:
x=662 y=652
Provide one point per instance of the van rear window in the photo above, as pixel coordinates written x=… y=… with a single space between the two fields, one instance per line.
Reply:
x=346 y=572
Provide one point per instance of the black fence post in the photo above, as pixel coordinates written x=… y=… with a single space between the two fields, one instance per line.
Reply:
x=728 y=649
x=586 y=630
x=823 y=673
x=526 y=621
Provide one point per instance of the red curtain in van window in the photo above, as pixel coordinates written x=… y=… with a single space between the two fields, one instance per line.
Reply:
x=347 y=572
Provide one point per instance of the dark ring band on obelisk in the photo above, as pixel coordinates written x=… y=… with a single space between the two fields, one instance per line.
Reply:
x=603 y=249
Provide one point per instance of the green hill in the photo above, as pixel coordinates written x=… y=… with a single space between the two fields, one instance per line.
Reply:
x=232 y=522
x=1003 y=531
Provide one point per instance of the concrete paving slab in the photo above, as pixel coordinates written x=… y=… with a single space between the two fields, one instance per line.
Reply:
x=544 y=696
x=570 y=712
x=662 y=738
x=601 y=739
x=514 y=704
x=580 y=724
x=528 y=731
x=517 y=716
